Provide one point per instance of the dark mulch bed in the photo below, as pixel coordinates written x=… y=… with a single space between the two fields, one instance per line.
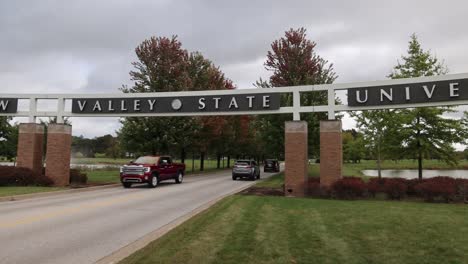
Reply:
x=262 y=191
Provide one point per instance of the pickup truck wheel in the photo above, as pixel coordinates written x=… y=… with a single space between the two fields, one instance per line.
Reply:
x=180 y=177
x=127 y=184
x=153 y=182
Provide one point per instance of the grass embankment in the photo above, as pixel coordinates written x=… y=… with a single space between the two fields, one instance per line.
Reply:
x=254 y=229
x=17 y=190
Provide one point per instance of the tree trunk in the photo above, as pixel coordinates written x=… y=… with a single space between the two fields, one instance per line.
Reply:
x=202 y=161
x=419 y=165
x=193 y=161
x=182 y=155
x=218 y=161
x=418 y=134
x=379 y=167
x=229 y=161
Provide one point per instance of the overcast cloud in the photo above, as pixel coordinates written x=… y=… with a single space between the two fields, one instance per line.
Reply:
x=88 y=46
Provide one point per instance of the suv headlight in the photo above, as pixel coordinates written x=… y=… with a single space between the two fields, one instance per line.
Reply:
x=147 y=169
x=121 y=169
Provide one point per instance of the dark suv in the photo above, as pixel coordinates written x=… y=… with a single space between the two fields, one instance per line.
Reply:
x=271 y=165
x=246 y=168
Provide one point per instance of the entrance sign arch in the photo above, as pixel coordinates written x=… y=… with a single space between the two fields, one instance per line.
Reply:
x=444 y=90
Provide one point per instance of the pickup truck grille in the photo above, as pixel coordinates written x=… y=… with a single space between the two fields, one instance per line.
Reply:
x=133 y=170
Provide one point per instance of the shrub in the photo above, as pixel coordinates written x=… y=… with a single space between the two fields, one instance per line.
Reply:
x=375 y=185
x=443 y=187
x=313 y=186
x=18 y=176
x=77 y=177
x=395 y=188
x=412 y=186
x=348 y=188
x=461 y=190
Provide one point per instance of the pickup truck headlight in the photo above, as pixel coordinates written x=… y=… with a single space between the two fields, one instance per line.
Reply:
x=121 y=169
x=147 y=169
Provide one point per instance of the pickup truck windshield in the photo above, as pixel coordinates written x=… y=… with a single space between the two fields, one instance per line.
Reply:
x=146 y=160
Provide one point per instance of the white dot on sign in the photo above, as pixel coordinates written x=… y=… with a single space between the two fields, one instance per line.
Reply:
x=176 y=104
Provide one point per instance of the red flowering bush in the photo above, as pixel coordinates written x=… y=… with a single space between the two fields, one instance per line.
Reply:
x=17 y=176
x=313 y=186
x=375 y=185
x=461 y=189
x=437 y=187
x=395 y=188
x=348 y=188
x=412 y=186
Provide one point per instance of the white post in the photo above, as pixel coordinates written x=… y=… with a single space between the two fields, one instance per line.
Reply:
x=60 y=110
x=331 y=103
x=32 y=109
x=296 y=106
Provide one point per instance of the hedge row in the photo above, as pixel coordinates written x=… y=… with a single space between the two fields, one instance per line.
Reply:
x=438 y=188
x=17 y=176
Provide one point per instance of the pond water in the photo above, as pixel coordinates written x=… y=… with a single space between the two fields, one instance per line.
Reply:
x=412 y=174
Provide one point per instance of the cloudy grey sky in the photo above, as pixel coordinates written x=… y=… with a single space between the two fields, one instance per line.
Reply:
x=88 y=46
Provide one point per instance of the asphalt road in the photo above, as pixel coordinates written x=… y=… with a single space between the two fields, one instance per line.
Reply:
x=85 y=227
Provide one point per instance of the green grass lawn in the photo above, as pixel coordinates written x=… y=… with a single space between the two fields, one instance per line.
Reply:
x=103 y=176
x=254 y=229
x=17 y=190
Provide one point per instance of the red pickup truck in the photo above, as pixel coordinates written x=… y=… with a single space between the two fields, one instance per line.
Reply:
x=151 y=170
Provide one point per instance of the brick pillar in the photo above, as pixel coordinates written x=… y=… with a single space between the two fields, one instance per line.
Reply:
x=58 y=153
x=331 y=152
x=296 y=158
x=30 y=146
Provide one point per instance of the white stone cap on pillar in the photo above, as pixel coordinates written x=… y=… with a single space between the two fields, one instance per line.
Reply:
x=295 y=127
x=31 y=128
x=59 y=129
x=330 y=126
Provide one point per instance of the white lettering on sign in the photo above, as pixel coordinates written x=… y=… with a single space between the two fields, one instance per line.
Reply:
x=136 y=105
x=4 y=104
x=266 y=101
x=250 y=101
x=358 y=96
x=81 y=105
x=97 y=106
x=216 y=99
x=123 y=107
x=429 y=93
x=453 y=87
x=389 y=96
x=407 y=93
x=201 y=103
x=111 y=109
x=233 y=103
x=151 y=104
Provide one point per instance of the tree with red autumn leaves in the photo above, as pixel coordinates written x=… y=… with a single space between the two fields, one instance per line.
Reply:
x=293 y=61
x=163 y=66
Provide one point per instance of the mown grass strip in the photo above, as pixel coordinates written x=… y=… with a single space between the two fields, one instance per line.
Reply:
x=253 y=229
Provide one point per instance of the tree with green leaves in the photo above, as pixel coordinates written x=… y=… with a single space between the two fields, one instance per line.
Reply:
x=379 y=130
x=425 y=130
x=293 y=61
x=353 y=146
x=8 y=138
